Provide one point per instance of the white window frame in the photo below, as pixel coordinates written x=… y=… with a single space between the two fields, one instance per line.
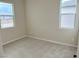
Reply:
x=13 y=16
x=60 y=15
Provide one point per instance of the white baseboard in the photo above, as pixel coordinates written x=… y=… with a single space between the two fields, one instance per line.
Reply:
x=40 y=39
x=14 y=40
x=53 y=41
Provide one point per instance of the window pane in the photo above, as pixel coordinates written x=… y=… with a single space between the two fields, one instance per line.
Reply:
x=67 y=21
x=68 y=10
x=6 y=9
x=68 y=2
x=6 y=21
x=6 y=15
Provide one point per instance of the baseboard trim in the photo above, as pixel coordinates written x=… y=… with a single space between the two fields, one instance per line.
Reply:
x=14 y=40
x=52 y=41
x=39 y=39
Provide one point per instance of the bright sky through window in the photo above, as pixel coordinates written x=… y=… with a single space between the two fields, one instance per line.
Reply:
x=63 y=1
x=6 y=9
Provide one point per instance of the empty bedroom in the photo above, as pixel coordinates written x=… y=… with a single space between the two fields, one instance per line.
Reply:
x=39 y=28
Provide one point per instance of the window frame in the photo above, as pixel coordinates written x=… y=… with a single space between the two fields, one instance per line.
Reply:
x=60 y=14
x=13 y=16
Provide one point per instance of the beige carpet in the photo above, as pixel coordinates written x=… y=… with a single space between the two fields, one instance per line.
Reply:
x=33 y=48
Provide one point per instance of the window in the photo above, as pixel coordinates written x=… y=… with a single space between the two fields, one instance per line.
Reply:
x=67 y=13
x=6 y=15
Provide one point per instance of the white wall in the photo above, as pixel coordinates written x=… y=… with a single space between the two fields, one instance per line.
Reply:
x=19 y=29
x=78 y=28
x=1 y=47
x=42 y=20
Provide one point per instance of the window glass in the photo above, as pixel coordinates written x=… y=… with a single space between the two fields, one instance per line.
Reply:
x=67 y=21
x=68 y=3
x=6 y=15
x=67 y=13
x=71 y=10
